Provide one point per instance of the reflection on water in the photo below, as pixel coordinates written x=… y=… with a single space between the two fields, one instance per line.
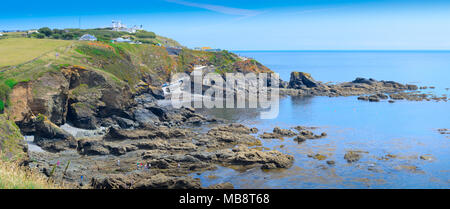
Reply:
x=404 y=130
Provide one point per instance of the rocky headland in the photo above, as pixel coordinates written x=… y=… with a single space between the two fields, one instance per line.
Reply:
x=132 y=140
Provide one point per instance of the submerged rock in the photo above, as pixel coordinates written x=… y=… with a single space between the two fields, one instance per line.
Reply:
x=317 y=156
x=352 y=156
x=426 y=157
x=278 y=133
x=300 y=139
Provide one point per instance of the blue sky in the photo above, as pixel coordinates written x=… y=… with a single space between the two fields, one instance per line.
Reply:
x=255 y=24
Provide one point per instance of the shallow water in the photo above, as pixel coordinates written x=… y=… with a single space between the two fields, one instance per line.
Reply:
x=406 y=129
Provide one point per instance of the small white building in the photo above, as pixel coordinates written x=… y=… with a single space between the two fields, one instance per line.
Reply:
x=118 y=26
x=88 y=37
x=123 y=40
x=32 y=31
x=1 y=34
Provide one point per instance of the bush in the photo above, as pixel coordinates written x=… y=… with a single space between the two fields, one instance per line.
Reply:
x=56 y=36
x=4 y=96
x=39 y=35
x=10 y=83
x=67 y=36
x=58 y=31
x=2 y=106
x=145 y=34
x=46 y=31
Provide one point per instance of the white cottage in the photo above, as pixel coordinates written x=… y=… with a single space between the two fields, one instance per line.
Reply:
x=88 y=37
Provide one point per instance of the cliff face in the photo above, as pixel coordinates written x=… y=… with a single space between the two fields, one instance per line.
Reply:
x=74 y=94
x=93 y=84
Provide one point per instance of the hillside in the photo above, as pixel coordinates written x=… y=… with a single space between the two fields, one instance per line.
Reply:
x=89 y=85
x=54 y=77
x=15 y=51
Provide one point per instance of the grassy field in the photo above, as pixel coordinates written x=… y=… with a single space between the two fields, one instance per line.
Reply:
x=14 y=51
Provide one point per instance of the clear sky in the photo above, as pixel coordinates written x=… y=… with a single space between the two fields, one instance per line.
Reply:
x=254 y=24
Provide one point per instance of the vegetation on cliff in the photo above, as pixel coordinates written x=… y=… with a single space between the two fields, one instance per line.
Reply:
x=14 y=176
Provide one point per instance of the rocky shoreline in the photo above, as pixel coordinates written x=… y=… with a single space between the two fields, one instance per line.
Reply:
x=302 y=84
x=136 y=143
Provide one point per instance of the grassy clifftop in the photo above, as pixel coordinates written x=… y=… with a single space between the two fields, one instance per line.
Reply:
x=28 y=59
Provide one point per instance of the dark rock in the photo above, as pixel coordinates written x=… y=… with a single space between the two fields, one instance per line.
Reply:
x=125 y=123
x=299 y=79
x=144 y=116
x=233 y=134
x=364 y=98
x=271 y=159
x=352 y=156
x=364 y=80
x=374 y=98
x=382 y=96
x=226 y=185
x=112 y=181
x=411 y=87
x=92 y=147
x=278 y=133
x=161 y=181
x=52 y=138
x=396 y=96
x=283 y=132
x=82 y=116
x=300 y=139
x=148 y=133
x=330 y=162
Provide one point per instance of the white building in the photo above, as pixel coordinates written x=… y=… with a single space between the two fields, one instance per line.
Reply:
x=88 y=37
x=123 y=40
x=118 y=26
x=32 y=31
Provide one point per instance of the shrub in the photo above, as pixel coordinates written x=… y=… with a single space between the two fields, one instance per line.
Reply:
x=46 y=31
x=2 y=106
x=67 y=36
x=145 y=34
x=4 y=96
x=4 y=92
x=40 y=35
x=11 y=83
x=56 y=36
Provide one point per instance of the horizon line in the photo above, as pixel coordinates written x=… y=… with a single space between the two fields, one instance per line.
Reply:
x=345 y=50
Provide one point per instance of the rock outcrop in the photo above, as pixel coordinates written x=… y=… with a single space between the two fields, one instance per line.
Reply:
x=50 y=137
x=302 y=80
x=86 y=98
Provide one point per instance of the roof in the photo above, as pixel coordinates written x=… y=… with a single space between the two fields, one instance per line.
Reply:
x=88 y=37
x=123 y=40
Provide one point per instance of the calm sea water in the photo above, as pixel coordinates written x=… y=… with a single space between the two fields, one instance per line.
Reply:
x=405 y=129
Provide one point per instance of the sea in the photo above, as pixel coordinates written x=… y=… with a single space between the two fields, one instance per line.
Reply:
x=405 y=130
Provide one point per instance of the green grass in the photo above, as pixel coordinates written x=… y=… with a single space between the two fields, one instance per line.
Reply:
x=13 y=176
x=2 y=106
x=15 y=51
